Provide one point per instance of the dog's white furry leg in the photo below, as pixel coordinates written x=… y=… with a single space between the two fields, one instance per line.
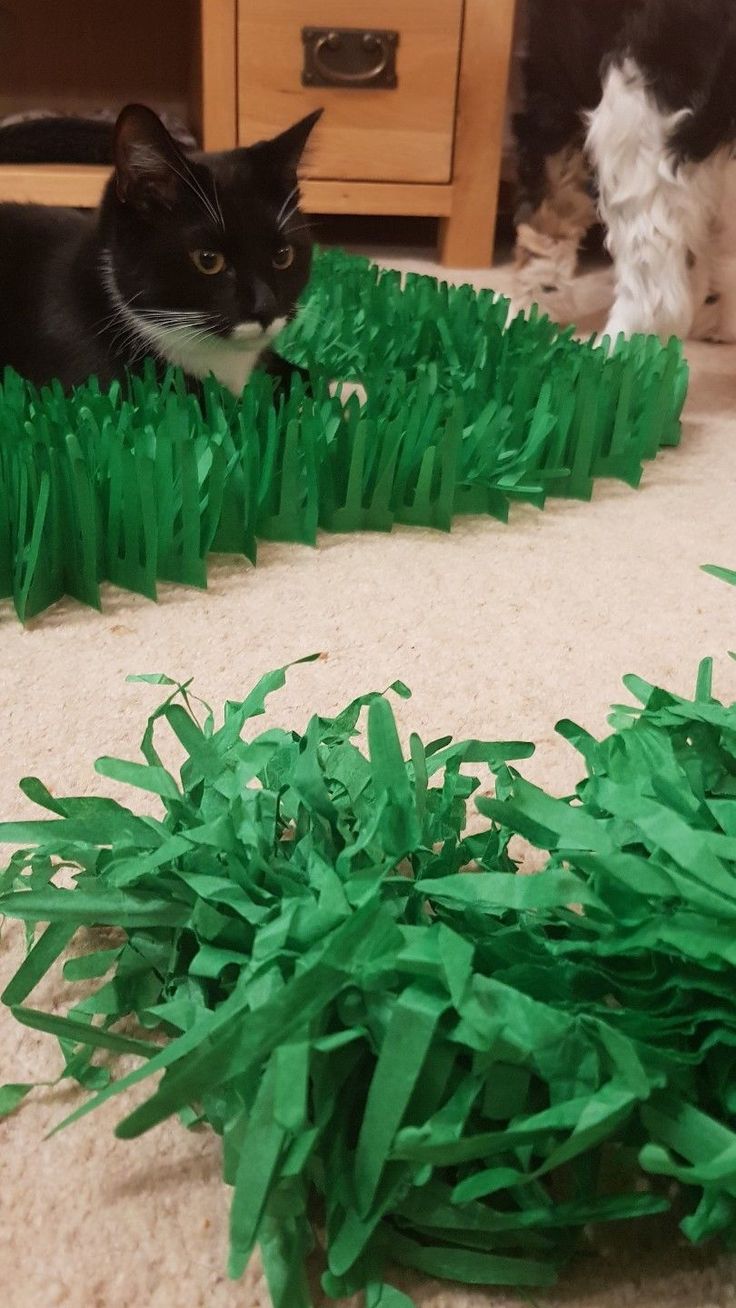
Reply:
x=658 y=213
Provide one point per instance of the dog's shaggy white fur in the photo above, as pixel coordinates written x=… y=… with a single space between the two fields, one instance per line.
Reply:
x=663 y=218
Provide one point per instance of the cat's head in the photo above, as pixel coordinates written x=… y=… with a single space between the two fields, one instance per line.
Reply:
x=210 y=244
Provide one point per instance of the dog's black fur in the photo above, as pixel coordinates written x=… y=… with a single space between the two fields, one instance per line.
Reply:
x=567 y=42
x=687 y=51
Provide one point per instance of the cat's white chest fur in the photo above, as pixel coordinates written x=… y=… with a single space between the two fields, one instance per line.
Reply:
x=230 y=360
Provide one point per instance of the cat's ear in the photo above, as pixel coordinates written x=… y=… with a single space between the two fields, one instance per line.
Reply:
x=148 y=163
x=282 y=153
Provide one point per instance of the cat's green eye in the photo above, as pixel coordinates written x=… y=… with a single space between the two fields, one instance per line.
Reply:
x=209 y=262
x=284 y=258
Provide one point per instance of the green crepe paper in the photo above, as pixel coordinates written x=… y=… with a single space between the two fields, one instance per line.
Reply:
x=464 y=414
x=437 y=1063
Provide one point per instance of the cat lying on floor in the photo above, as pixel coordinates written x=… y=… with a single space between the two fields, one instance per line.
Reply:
x=196 y=260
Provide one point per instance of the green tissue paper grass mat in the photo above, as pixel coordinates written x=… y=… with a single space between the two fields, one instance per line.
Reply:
x=410 y=1052
x=463 y=415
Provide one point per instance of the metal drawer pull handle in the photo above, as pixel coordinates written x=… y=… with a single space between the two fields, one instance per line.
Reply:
x=350 y=47
x=333 y=41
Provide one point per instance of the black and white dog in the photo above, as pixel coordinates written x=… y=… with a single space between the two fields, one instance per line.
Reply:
x=644 y=93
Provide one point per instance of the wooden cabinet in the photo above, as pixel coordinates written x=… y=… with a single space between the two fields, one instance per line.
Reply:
x=428 y=141
x=400 y=133
x=430 y=145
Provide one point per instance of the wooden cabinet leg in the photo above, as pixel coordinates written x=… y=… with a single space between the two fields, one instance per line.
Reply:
x=466 y=237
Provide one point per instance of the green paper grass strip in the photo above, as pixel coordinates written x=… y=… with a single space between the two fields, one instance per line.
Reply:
x=464 y=415
x=441 y=1064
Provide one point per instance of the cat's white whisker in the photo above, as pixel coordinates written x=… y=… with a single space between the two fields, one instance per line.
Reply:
x=187 y=333
x=198 y=189
x=191 y=325
x=292 y=231
x=282 y=224
x=124 y=340
x=217 y=202
x=180 y=318
x=190 y=314
x=111 y=318
x=189 y=179
x=280 y=215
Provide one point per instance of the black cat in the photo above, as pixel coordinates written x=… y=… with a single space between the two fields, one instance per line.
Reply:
x=196 y=260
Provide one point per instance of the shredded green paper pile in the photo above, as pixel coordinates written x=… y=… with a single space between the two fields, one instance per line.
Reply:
x=413 y=1055
x=464 y=414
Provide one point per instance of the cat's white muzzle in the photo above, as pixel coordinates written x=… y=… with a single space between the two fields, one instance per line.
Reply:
x=252 y=332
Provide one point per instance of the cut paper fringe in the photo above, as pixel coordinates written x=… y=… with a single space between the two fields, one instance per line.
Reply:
x=412 y=1055
x=464 y=414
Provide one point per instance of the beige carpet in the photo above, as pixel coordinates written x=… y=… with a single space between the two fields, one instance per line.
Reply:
x=500 y=631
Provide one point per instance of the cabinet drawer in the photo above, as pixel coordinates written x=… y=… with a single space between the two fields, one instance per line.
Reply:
x=397 y=134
